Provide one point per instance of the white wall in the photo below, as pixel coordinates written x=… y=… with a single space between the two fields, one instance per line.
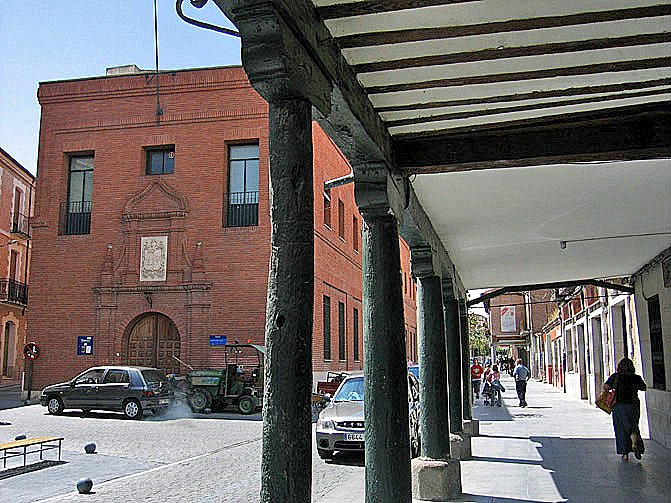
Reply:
x=658 y=402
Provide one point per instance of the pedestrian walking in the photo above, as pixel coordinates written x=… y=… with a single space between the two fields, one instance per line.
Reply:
x=521 y=375
x=627 y=409
x=476 y=377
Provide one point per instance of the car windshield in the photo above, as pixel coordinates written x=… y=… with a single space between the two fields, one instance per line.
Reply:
x=152 y=376
x=351 y=389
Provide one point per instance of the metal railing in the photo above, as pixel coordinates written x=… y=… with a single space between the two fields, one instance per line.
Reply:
x=241 y=209
x=21 y=224
x=13 y=291
x=75 y=218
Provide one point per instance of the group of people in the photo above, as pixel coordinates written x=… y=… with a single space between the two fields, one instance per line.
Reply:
x=625 y=383
x=492 y=378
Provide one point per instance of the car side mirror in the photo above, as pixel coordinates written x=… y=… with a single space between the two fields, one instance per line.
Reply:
x=72 y=384
x=327 y=397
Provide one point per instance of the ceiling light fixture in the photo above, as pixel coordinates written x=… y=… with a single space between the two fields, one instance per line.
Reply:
x=562 y=242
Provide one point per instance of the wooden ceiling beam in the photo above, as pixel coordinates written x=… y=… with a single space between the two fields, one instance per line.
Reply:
x=343 y=10
x=640 y=132
x=616 y=66
x=415 y=35
x=504 y=98
x=514 y=52
x=521 y=108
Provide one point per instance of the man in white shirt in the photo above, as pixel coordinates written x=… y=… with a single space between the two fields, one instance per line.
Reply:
x=521 y=375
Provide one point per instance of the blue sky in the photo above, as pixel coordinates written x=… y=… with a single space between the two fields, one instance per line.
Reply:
x=43 y=40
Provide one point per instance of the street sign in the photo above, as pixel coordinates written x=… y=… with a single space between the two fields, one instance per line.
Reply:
x=218 y=340
x=31 y=351
x=85 y=345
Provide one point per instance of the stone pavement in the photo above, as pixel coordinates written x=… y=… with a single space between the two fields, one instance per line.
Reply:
x=556 y=449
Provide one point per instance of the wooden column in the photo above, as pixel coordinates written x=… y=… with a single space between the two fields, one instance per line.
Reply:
x=465 y=361
x=454 y=379
x=287 y=432
x=433 y=392
x=385 y=367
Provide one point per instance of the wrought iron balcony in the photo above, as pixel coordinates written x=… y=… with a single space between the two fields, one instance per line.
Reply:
x=241 y=209
x=13 y=291
x=20 y=224
x=75 y=218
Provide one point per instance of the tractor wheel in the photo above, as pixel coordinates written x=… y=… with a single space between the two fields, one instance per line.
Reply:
x=246 y=404
x=200 y=400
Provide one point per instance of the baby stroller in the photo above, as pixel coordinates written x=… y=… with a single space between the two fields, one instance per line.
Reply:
x=492 y=393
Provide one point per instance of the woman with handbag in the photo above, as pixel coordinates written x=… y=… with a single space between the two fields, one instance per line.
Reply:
x=627 y=408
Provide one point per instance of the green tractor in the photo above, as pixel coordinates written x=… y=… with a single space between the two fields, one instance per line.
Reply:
x=238 y=384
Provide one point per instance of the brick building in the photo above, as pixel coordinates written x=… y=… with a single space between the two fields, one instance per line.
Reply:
x=152 y=228
x=16 y=193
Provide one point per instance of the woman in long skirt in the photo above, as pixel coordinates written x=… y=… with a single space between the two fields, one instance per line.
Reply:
x=627 y=409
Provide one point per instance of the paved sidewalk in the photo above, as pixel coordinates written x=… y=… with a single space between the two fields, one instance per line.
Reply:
x=556 y=449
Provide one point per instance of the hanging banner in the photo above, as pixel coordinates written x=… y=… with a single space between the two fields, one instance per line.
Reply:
x=508 y=322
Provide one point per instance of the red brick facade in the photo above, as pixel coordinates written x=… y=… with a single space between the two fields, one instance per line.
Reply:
x=216 y=277
x=16 y=194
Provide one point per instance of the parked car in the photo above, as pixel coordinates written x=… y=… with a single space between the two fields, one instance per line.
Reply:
x=131 y=390
x=340 y=426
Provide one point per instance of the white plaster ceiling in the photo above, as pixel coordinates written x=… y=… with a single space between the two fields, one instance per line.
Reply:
x=503 y=227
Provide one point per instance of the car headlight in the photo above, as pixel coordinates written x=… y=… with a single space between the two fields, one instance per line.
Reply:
x=325 y=424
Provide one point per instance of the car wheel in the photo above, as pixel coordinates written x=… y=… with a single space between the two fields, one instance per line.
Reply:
x=55 y=405
x=246 y=404
x=200 y=400
x=325 y=453
x=132 y=409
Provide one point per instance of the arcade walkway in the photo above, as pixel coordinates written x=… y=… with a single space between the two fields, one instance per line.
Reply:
x=556 y=449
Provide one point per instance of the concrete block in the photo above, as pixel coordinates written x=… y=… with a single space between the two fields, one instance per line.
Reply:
x=472 y=427
x=460 y=445
x=436 y=480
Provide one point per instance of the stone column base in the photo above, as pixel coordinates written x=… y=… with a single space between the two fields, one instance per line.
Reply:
x=436 y=480
x=472 y=427
x=460 y=445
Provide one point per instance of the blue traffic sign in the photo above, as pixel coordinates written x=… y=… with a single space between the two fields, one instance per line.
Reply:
x=217 y=340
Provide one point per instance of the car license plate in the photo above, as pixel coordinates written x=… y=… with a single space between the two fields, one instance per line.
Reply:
x=354 y=437
x=164 y=401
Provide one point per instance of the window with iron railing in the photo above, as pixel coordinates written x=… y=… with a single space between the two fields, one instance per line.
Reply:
x=241 y=203
x=13 y=291
x=20 y=224
x=75 y=213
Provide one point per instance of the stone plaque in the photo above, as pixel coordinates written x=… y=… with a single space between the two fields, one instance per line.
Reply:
x=154 y=258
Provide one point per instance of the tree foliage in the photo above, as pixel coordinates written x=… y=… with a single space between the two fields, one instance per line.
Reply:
x=478 y=335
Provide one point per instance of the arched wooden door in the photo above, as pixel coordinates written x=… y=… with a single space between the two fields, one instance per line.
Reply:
x=152 y=341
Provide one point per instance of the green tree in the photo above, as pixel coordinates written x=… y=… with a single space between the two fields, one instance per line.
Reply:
x=478 y=335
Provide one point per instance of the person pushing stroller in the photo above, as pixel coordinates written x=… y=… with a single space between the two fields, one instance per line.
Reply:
x=493 y=387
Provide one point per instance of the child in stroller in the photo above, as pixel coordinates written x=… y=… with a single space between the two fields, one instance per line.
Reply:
x=493 y=388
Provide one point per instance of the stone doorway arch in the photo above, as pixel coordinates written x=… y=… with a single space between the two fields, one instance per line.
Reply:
x=151 y=340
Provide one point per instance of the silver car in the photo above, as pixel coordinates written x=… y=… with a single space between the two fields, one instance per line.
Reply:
x=131 y=390
x=340 y=426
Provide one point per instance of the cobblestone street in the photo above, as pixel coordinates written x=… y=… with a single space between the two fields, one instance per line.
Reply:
x=203 y=458
x=557 y=449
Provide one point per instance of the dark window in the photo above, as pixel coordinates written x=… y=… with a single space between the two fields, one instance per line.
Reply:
x=355 y=234
x=75 y=215
x=242 y=206
x=656 y=343
x=327 y=209
x=114 y=376
x=327 y=327
x=341 y=219
x=160 y=160
x=341 y=331
x=356 y=334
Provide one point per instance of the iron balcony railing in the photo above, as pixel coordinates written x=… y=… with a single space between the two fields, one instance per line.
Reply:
x=241 y=209
x=75 y=218
x=13 y=291
x=20 y=224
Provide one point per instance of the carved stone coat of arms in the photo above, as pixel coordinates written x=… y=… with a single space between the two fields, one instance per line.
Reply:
x=154 y=258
